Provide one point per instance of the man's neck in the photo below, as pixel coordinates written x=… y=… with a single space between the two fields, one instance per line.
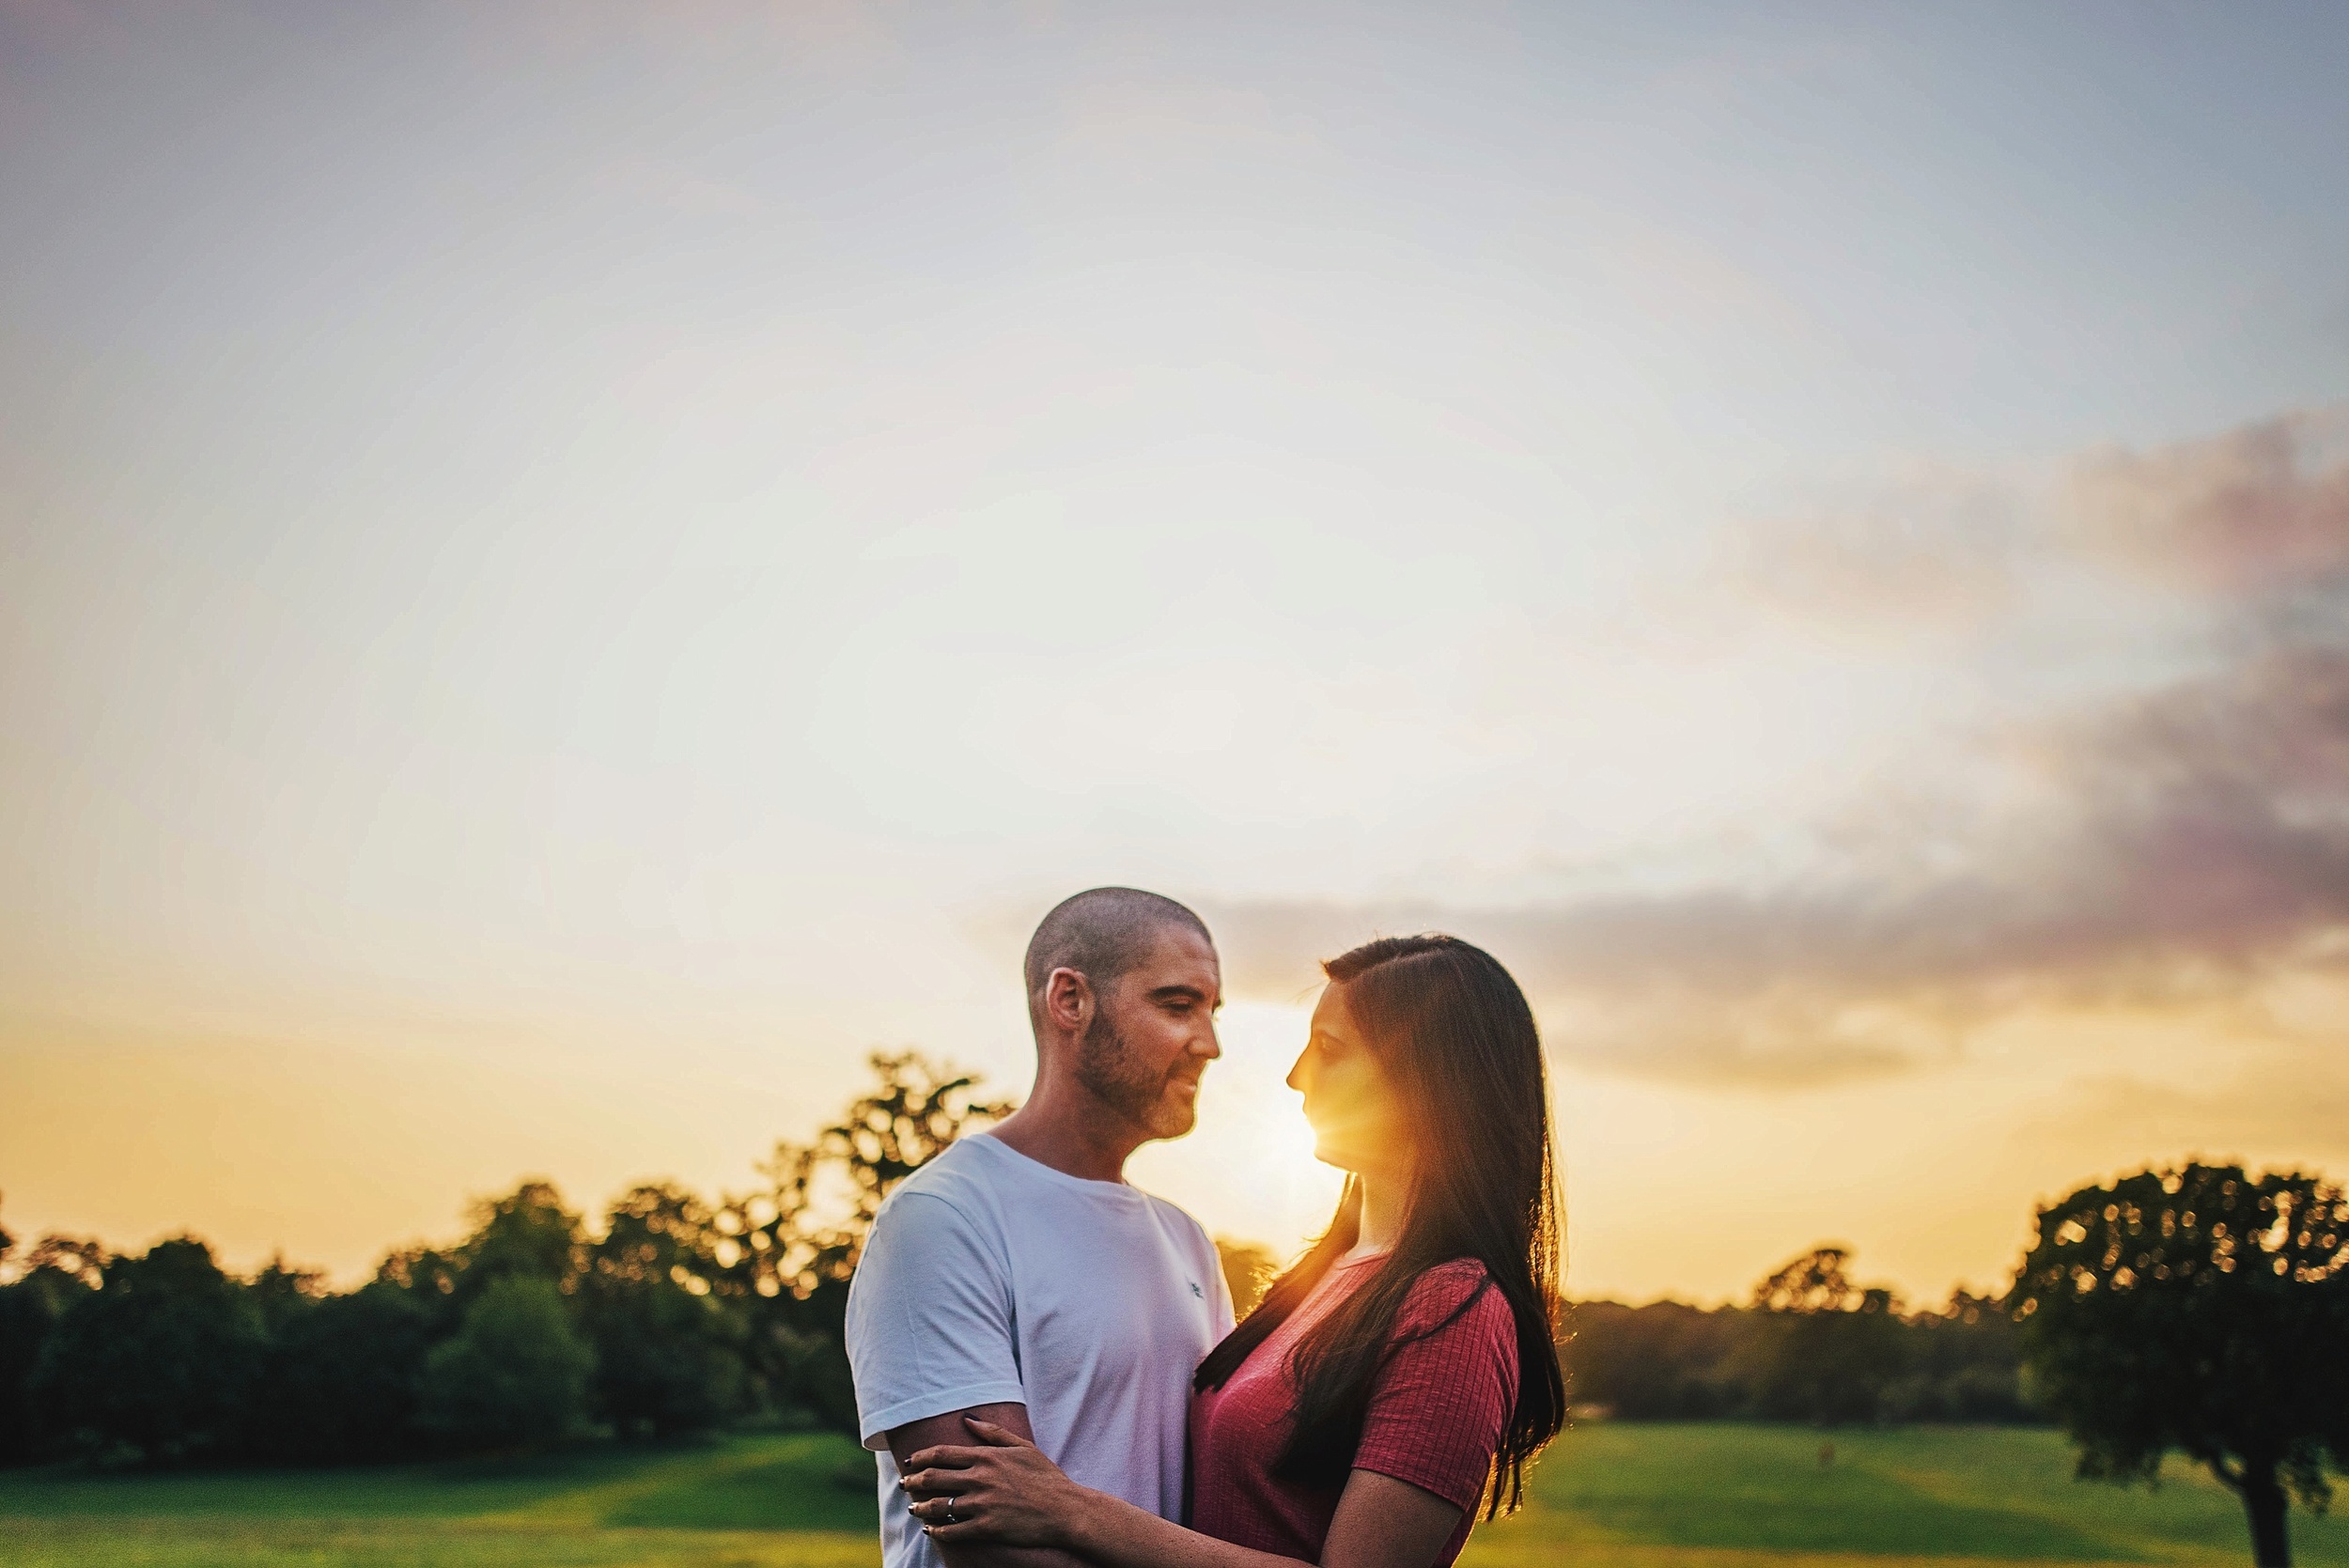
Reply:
x=1069 y=1130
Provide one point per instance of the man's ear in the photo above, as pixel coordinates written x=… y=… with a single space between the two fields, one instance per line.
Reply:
x=1068 y=999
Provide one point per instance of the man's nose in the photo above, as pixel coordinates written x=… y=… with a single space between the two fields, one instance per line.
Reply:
x=1207 y=1045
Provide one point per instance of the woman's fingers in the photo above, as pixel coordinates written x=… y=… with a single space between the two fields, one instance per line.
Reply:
x=994 y=1436
x=945 y=1456
x=948 y=1519
x=944 y=1482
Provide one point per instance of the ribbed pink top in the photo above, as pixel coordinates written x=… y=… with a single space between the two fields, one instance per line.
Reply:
x=1437 y=1415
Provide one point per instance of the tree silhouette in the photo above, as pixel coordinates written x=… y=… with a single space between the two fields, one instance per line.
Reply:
x=668 y=1351
x=2204 y=1312
x=528 y=1234
x=1819 y=1347
x=788 y=1249
x=33 y=1294
x=158 y=1360
x=514 y=1375
x=1248 y=1267
x=339 y=1383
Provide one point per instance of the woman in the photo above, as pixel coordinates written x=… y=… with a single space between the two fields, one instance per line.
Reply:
x=1400 y=1375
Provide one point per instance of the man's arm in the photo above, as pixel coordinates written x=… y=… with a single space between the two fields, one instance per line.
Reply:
x=907 y=1440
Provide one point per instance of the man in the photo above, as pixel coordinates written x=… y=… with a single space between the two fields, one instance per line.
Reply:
x=1016 y=1278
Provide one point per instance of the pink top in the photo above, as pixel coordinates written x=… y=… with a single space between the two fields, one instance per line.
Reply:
x=1436 y=1414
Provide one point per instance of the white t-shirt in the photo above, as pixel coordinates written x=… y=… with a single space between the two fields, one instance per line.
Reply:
x=991 y=1279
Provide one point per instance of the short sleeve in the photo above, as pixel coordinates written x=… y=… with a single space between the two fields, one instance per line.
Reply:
x=929 y=1322
x=1443 y=1395
x=1210 y=1263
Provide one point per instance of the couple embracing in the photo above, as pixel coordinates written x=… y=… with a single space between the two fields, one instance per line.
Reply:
x=1045 y=1356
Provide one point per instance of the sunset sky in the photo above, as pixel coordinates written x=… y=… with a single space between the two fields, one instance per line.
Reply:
x=567 y=570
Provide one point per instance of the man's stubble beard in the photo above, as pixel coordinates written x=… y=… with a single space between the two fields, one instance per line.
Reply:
x=1107 y=1067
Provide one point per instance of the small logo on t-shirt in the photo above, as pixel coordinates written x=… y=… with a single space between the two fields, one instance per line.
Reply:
x=1195 y=1290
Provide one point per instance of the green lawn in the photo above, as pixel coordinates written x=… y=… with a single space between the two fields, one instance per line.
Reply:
x=800 y=1501
x=1723 y=1494
x=1607 y=1497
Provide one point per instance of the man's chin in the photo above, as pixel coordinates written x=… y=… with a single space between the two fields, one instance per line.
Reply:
x=1173 y=1121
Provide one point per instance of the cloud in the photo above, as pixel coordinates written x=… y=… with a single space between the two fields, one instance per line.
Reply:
x=2249 y=516
x=2184 y=840
x=2256 y=511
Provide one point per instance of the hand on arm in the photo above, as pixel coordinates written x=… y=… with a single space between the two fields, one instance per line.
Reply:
x=991 y=1551
x=1004 y=1490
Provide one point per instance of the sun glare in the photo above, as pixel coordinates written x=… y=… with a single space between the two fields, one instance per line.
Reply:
x=1249 y=1171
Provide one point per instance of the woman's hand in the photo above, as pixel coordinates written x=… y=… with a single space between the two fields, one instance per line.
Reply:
x=1005 y=1492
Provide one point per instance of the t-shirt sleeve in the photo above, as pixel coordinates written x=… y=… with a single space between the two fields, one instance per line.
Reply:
x=1211 y=1263
x=929 y=1322
x=1442 y=1398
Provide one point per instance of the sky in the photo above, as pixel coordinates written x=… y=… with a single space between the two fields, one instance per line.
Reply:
x=568 y=571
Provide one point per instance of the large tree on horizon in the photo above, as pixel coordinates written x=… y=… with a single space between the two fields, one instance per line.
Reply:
x=787 y=1252
x=2204 y=1312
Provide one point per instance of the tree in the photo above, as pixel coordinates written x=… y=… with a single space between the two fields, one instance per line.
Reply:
x=45 y=1281
x=1821 y=1348
x=2200 y=1310
x=808 y=1228
x=282 y=1293
x=1665 y=1360
x=787 y=1251
x=515 y=1376
x=668 y=1345
x=27 y=1312
x=157 y=1359
x=526 y=1235
x=1249 y=1268
x=1965 y=1364
x=339 y=1383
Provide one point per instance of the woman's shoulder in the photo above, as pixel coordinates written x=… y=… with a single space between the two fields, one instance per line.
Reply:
x=1459 y=1291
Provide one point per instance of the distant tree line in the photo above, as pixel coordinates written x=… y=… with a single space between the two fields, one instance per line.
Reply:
x=1810 y=1345
x=674 y=1314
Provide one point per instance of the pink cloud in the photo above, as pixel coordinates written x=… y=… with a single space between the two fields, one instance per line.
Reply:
x=2253 y=511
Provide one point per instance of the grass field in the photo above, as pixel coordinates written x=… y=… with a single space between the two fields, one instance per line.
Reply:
x=1727 y=1497
x=1607 y=1497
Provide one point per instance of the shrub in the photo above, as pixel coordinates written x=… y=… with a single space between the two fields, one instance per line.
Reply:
x=515 y=1376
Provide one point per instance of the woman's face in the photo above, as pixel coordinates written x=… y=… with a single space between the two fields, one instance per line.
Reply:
x=1357 y=1117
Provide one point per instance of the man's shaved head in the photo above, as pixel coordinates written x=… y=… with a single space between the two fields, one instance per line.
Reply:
x=1101 y=934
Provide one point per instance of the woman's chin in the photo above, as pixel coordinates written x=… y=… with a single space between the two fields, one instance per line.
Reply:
x=1343 y=1159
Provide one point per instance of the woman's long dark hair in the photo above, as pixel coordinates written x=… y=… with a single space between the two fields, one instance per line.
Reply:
x=1458 y=1044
